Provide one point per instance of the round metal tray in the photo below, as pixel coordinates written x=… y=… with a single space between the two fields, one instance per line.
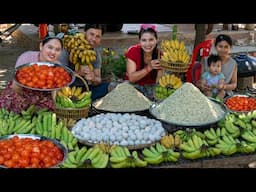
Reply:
x=41 y=138
x=240 y=95
x=71 y=73
x=171 y=125
x=138 y=112
x=131 y=147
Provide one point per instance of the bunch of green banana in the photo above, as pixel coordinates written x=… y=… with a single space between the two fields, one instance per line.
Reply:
x=187 y=134
x=47 y=125
x=244 y=147
x=212 y=136
x=152 y=156
x=227 y=144
x=122 y=158
x=192 y=148
x=80 y=51
x=162 y=92
x=249 y=135
x=210 y=151
x=232 y=129
x=95 y=158
x=75 y=159
x=158 y=154
x=15 y=125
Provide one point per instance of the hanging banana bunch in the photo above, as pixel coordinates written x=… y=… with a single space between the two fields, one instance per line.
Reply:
x=174 y=51
x=80 y=51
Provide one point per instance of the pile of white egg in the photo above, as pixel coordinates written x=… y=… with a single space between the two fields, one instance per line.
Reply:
x=119 y=129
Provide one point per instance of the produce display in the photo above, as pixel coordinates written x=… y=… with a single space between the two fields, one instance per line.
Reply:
x=80 y=51
x=234 y=134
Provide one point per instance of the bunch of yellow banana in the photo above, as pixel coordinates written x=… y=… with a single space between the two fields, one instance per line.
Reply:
x=74 y=93
x=171 y=81
x=74 y=97
x=170 y=141
x=106 y=148
x=122 y=158
x=174 y=51
x=80 y=51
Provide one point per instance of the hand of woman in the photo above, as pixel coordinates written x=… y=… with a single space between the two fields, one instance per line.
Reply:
x=155 y=64
x=205 y=87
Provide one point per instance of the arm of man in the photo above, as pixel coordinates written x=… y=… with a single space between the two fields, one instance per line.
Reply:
x=94 y=76
x=97 y=77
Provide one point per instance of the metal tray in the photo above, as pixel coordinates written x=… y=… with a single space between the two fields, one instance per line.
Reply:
x=71 y=72
x=130 y=147
x=172 y=125
x=138 y=112
x=41 y=138
x=240 y=95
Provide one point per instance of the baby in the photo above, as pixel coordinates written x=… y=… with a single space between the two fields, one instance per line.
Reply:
x=214 y=77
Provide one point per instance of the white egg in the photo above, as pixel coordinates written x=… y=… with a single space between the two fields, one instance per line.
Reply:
x=125 y=135
x=124 y=142
x=137 y=142
x=139 y=136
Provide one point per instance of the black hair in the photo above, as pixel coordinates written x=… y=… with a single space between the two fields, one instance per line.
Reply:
x=223 y=37
x=155 y=50
x=154 y=56
x=95 y=26
x=213 y=58
x=48 y=38
x=147 y=30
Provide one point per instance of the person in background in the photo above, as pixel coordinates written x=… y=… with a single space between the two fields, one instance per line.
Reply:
x=93 y=34
x=49 y=51
x=214 y=77
x=143 y=64
x=15 y=98
x=223 y=45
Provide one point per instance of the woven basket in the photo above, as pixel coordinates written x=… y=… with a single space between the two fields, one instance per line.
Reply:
x=175 y=67
x=74 y=113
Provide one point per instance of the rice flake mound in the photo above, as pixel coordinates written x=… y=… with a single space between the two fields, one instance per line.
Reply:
x=123 y=98
x=188 y=106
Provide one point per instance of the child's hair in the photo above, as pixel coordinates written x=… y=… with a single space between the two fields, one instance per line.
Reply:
x=213 y=59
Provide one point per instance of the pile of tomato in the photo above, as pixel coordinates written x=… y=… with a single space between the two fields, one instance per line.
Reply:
x=241 y=103
x=43 y=76
x=29 y=153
